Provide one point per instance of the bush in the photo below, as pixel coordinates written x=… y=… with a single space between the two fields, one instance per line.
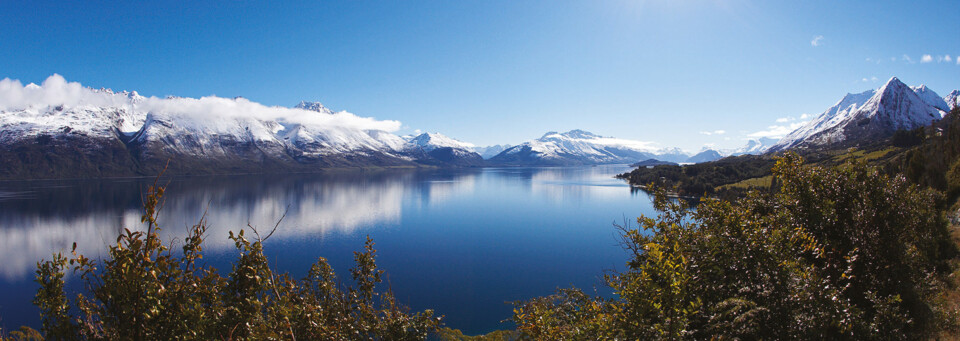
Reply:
x=144 y=291
x=834 y=253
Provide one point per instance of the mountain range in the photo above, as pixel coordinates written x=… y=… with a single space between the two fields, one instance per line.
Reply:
x=60 y=129
x=870 y=116
x=578 y=147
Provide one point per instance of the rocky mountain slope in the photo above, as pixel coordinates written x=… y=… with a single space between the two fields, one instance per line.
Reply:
x=61 y=129
x=438 y=149
x=869 y=117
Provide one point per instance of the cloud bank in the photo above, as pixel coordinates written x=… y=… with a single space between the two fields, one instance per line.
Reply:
x=56 y=91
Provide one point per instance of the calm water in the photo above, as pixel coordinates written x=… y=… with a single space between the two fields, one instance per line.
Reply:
x=463 y=242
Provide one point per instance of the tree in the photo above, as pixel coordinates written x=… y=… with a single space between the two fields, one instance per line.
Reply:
x=831 y=253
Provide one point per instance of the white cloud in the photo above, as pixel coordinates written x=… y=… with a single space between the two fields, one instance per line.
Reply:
x=786 y=126
x=947 y=58
x=907 y=59
x=55 y=90
x=715 y=132
x=871 y=79
x=958 y=60
x=816 y=41
x=777 y=131
x=793 y=119
x=926 y=58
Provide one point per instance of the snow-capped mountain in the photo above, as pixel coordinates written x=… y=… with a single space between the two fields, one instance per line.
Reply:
x=868 y=116
x=931 y=98
x=65 y=142
x=491 y=151
x=755 y=146
x=60 y=129
x=313 y=106
x=952 y=98
x=706 y=155
x=672 y=154
x=431 y=141
x=435 y=148
x=578 y=147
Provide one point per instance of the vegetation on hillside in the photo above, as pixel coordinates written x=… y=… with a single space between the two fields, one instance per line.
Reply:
x=925 y=155
x=833 y=253
x=935 y=162
x=701 y=178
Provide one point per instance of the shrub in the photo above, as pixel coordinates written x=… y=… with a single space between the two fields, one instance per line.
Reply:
x=143 y=290
x=833 y=253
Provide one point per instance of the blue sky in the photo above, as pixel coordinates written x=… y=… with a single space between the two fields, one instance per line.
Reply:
x=491 y=72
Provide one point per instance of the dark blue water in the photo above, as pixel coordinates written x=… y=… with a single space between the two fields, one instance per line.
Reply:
x=462 y=242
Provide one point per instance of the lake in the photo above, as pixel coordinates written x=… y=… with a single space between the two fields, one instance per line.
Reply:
x=464 y=242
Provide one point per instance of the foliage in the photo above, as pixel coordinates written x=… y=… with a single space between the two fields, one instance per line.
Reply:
x=448 y=334
x=143 y=290
x=734 y=177
x=936 y=162
x=833 y=253
x=702 y=178
x=907 y=138
x=23 y=334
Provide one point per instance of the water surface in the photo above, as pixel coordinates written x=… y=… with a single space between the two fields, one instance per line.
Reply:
x=463 y=242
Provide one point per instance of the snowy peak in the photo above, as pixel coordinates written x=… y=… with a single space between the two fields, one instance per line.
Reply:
x=575 y=134
x=706 y=155
x=430 y=141
x=491 y=151
x=859 y=118
x=850 y=103
x=897 y=104
x=755 y=146
x=930 y=97
x=436 y=148
x=830 y=118
x=893 y=88
x=952 y=98
x=579 y=147
x=314 y=106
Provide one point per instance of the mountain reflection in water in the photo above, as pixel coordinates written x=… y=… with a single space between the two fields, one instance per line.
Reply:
x=462 y=241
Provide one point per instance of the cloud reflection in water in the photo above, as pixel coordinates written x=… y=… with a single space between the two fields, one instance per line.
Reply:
x=42 y=217
x=38 y=218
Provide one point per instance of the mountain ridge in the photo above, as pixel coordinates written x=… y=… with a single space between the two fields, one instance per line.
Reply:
x=868 y=117
x=105 y=133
